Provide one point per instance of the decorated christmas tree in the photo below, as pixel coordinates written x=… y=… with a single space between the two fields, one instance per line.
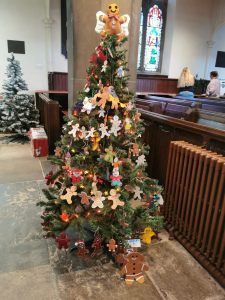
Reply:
x=14 y=82
x=100 y=191
x=17 y=111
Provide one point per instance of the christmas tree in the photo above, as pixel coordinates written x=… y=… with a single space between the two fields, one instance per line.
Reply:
x=17 y=111
x=100 y=185
x=14 y=82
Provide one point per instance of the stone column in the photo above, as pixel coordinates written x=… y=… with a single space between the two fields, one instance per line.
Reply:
x=48 y=21
x=86 y=39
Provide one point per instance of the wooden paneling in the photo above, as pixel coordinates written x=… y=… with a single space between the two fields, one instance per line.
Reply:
x=58 y=81
x=156 y=84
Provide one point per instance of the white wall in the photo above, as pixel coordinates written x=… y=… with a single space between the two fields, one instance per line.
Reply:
x=59 y=62
x=189 y=25
x=219 y=45
x=23 y=20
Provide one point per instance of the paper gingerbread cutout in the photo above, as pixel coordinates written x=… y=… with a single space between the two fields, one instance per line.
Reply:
x=84 y=198
x=115 y=198
x=81 y=248
x=70 y=192
x=98 y=199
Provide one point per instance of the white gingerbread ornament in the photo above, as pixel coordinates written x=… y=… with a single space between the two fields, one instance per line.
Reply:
x=90 y=133
x=115 y=198
x=69 y=193
x=115 y=125
x=75 y=130
x=104 y=67
x=98 y=199
x=141 y=160
x=137 y=193
x=101 y=113
x=87 y=106
x=103 y=129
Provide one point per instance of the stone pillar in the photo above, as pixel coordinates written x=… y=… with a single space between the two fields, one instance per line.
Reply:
x=86 y=39
x=48 y=21
x=209 y=45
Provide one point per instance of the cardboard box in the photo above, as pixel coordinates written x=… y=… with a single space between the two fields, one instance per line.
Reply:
x=39 y=142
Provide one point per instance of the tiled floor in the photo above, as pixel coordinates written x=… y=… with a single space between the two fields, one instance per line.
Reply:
x=32 y=268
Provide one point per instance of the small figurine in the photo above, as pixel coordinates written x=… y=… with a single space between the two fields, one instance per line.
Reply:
x=112 y=245
x=97 y=244
x=147 y=235
x=84 y=198
x=49 y=179
x=133 y=267
x=98 y=199
x=76 y=176
x=63 y=241
x=137 y=192
x=109 y=154
x=82 y=250
x=116 y=178
x=115 y=198
x=103 y=128
x=115 y=125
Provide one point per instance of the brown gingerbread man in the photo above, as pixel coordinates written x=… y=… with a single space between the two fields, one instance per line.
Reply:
x=133 y=268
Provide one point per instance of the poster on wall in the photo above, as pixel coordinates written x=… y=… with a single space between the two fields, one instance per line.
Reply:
x=16 y=47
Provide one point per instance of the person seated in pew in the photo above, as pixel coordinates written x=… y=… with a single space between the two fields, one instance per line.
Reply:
x=213 y=88
x=186 y=83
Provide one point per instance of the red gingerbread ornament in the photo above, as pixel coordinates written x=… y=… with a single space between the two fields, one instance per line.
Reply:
x=97 y=244
x=48 y=178
x=133 y=267
x=112 y=245
x=82 y=250
x=63 y=241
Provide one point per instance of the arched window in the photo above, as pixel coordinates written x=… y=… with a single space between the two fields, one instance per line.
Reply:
x=151 y=38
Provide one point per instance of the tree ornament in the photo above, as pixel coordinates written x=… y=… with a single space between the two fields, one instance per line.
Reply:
x=70 y=192
x=101 y=113
x=95 y=141
x=158 y=198
x=133 y=267
x=115 y=198
x=141 y=160
x=98 y=199
x=127 y=124
x=100 y=53
x=137 y=117
x=109 y=154
x=115 y=125
x=76 y=176
x=112 y=23
x=62 y=241
x=84 y=198
x=48 y=178
x=58 y=152
x=112 y=245
x=82 y=250
x=104 y=67
x=75 y=130
x=135 y=150
x=137 y=193
x=82 y=133
x=64 y=217
x=120 y=72
x=130 y=106
x=147 y=235
x=103 y=95
x=97 y=244
x=116 y=163
x=116 y=178
x=90 y=133
x=87 y=106
x=103 y=128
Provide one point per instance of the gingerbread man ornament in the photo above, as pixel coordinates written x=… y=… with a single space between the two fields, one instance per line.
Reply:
x=70 y=192
x=115 y=198
x=112 y=245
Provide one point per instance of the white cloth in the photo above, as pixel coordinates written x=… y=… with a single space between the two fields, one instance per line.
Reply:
x=213 y=88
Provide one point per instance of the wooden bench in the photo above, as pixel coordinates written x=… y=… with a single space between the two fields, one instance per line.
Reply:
x=50 y=118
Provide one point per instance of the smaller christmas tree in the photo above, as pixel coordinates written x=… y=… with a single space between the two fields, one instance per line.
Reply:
x=17 y=111
x=14 y=82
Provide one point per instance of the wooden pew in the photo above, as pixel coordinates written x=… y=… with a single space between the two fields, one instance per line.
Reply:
x=50 y=118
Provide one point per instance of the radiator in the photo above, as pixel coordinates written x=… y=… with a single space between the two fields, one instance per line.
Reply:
x=195 y=204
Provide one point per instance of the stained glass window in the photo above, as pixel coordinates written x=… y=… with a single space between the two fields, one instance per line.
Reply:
x=152 y=27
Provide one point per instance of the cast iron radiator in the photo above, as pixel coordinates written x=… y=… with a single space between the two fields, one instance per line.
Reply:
x=195 y=204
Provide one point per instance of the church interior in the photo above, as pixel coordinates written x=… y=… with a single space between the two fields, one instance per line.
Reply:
x=112 y=149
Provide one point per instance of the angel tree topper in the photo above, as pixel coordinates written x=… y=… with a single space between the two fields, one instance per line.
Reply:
x=112 y=23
